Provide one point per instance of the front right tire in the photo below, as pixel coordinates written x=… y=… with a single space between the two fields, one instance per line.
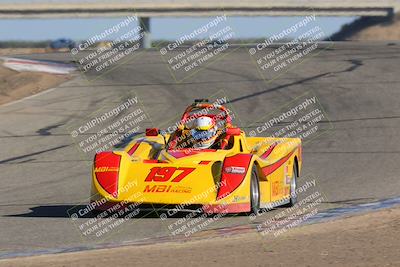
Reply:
x=293 y=186
x=254 y=191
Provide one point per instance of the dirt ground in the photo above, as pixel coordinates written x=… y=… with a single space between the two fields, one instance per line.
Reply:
x=370 y=239
x=383 y=31
x=15 y=85
x=21 y=51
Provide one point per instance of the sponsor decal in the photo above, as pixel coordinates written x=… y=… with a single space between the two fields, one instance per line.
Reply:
x=275 y=188
x=106 y=169
x=235 y=170
x=239 y=198
x=166 y=189
x=286 y=177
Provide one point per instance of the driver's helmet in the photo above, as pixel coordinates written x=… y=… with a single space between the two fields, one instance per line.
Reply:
x=204 y=132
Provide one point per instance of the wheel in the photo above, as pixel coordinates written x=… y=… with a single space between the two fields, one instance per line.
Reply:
x=293 y=186
x=254 y=191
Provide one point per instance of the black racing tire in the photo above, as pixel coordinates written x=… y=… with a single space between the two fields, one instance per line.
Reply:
x=254 y=191
x=293 y=187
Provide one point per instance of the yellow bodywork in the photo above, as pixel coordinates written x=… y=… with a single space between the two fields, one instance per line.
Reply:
x=140 y=181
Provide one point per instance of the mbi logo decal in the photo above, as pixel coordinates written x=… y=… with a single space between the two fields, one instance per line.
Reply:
x=167 y=174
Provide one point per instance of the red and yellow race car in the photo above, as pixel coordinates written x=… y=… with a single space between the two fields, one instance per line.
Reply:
x=234 y=174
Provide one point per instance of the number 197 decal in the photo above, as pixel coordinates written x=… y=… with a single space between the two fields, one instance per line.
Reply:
x=164 y=174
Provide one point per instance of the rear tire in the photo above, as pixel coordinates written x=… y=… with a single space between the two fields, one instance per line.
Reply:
x=254 y=191
x=293 y=187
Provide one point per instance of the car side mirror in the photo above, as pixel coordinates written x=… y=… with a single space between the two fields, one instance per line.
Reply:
x=233 y=131
x=152 y=132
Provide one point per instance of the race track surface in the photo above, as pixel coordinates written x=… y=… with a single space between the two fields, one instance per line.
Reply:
x=44 y=174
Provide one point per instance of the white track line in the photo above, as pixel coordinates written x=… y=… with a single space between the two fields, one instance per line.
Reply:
x=28 y=97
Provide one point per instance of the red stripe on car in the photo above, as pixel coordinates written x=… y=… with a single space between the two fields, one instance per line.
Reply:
x=106 y=171
x=231 y=181
x=134 y=148
x=227 y=208
x=269 y=150
x=273 y=167
x=188 y=152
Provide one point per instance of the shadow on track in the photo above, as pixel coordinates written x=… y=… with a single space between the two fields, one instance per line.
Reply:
x=355 y=64
x=65 y=211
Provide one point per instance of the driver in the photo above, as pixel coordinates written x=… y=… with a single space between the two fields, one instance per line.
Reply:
x=204 y=132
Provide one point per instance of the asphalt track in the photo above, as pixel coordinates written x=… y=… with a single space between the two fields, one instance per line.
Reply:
x=43 y=174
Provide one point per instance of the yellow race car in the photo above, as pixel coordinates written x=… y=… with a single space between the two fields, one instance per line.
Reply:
x=236 y=174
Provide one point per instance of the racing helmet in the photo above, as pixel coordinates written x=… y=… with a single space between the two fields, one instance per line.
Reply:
x=204 y=132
